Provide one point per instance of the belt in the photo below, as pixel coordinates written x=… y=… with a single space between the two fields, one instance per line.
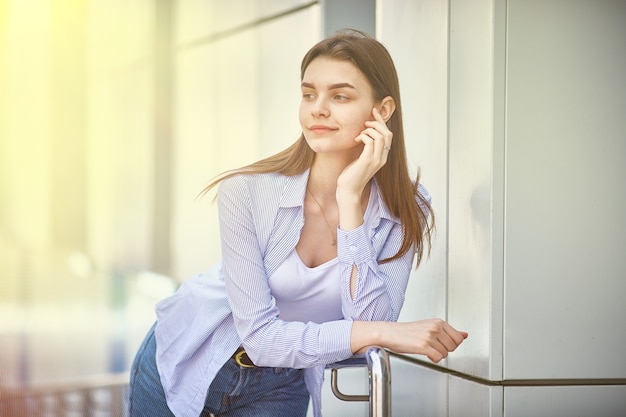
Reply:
x=241 y=357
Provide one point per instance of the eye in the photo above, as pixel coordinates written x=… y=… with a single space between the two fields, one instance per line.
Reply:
x=308 y=96
x=341 y=97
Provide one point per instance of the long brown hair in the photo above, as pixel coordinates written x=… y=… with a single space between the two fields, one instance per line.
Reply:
x=398 y=191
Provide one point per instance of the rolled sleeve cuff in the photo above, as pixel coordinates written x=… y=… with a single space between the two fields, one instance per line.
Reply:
x=334 y=339
x=354 y=247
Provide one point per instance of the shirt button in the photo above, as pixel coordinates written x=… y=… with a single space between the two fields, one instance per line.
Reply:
x=352 y=248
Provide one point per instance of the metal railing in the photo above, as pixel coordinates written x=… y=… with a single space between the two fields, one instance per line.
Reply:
x=379 y=374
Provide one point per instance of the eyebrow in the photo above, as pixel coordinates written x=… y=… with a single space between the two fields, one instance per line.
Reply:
x=331 y=86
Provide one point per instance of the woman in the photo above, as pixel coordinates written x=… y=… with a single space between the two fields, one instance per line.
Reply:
x=318 y=243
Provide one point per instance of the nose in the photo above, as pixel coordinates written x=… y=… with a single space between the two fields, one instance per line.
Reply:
x=320 y=108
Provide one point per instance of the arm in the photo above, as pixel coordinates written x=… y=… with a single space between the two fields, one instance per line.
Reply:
x=372 y=291
x=268 y=340
x=385 y=285
x=369 y=291
x=433 y=337
x=373 y=295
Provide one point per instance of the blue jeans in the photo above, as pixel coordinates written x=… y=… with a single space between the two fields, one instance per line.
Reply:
x=235 y=391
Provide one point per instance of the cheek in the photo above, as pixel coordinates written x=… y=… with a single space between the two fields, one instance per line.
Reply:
x=356 y=124
x=353 y=130
x=301 y=115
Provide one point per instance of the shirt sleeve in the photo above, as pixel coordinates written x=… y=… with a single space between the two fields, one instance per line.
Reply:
x=268 y=340
x=380 y=289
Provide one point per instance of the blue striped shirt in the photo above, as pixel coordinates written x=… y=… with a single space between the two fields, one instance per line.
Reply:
x=261 y=217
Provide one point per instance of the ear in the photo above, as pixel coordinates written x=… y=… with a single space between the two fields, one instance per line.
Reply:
x=386 y=108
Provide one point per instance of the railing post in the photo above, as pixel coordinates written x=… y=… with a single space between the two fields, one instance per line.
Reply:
x=379 y=371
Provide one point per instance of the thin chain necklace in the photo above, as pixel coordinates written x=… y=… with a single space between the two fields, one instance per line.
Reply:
x=333 y=242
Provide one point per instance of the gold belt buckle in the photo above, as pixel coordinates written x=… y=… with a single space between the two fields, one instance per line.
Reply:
x=238 y=357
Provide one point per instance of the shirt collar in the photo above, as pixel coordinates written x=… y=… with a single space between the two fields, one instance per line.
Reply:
x=295 y=188
x=382 y=207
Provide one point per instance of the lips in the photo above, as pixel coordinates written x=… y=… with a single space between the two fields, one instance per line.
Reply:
x=321 y=129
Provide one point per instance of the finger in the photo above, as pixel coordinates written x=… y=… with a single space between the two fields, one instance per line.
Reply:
x=377 y=150
x=452 y=332
x=374 y=134
x=444 y=334
x=441 y=348
x=366 y=139
x=436 y=355
x=447 y=342
x=377 y=115
x=380 y=125
x=381 y=142
x=373 y=140
x=452 y=340
x=378 y=118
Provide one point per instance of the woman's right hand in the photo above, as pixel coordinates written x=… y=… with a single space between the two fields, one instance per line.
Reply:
x=433 y=338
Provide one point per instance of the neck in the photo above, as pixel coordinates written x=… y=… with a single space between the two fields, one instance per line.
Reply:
x=324 y=173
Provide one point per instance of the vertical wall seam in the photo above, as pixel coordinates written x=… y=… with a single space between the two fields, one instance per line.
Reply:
x=499 y=112
x=504 y=179
x=447 y=218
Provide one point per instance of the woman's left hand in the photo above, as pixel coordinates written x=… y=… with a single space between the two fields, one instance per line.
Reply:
x=376 y=138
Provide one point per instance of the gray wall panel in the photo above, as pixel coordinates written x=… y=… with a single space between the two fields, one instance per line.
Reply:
x=565 y=202
x=596 y=401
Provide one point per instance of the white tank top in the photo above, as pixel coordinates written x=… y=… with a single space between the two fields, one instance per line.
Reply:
x=311 y=294
x=307 y=294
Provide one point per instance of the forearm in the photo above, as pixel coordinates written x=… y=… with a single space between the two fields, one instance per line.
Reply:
x=350 y=210
x=367 y=333
x=432 y=337
x=297 y=345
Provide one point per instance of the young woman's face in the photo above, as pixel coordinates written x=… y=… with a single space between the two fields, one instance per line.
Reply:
x=336 y=101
